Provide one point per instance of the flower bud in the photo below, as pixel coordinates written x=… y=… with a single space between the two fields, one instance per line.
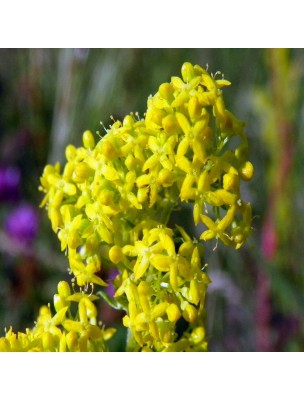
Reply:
x=70 y=152
x=165 y=177
x=190 y=313
x=128 y=121
x=173 y=312
x=188 y=72
x=166 y=91
x=198 y=334
x=115 y=254
x=59 y=302
x=247 y=171
x=230 y=182
x=88 y=140
x=63 y=289
x=194 y=292
x=71 y=341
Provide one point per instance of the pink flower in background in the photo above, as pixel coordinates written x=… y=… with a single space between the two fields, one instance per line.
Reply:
x=269 y=240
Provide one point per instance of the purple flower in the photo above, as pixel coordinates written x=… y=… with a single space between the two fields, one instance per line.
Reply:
x=22 y=224
x=110 y=290
x=9 y=183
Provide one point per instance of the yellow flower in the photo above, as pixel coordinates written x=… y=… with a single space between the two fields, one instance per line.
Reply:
x=242 y=229
x=162 y=148
x=217 y=229
x=61 y=298
x=48 y=323
x=194 y=136
x=86 y=329
x=150 y=180
x=69 y=235
x=85 y=271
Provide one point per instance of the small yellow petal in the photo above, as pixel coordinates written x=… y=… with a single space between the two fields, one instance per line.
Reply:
x=74 y=326
x=184 y=123
x=109 y=172
x=151 y=162
x=159 y=310
x=161 y=262
x=140 y=267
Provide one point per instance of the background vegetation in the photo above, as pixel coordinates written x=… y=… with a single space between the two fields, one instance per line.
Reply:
x=49 y=97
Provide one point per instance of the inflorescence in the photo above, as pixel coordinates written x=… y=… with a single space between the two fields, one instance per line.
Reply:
x=110 y=206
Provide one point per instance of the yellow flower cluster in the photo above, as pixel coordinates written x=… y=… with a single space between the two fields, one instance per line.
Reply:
x=163 y=285
x=62 y=331
x=111 y=205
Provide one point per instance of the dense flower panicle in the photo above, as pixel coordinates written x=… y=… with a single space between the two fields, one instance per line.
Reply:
x=111 y=203
x=181 y=148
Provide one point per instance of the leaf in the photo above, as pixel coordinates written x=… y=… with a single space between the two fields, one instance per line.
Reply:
x=110 y=300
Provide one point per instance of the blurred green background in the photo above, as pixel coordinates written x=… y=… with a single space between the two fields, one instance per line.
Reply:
x=49 y=97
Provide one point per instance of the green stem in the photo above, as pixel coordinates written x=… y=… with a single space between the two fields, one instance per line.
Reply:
x=131 y=345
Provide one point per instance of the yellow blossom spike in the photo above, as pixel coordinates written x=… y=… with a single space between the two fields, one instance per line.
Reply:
x=110 y=203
